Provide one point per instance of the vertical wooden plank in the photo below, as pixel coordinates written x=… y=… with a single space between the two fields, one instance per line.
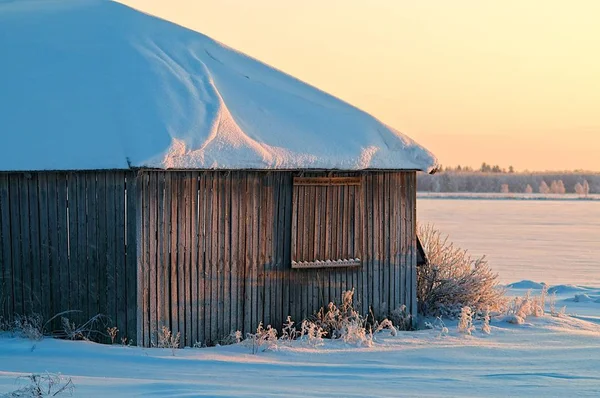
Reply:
x=214 y=257
x=287 y=227
x=304 y=231
x=193 y=231
x=404 y=268
x=174 y=296
x=249 y=203
x=4 y=298
x=141 y=213
x=181 y=263
x=241 y=247
x=319 y=249
x=201 y=256
x=327 y=221
x=73 y=242
x=275 y=269
x=161 y=266
x=185 y=238
x=256 y=191
x=386 y=243
x=101 y=273
x=329 y=275
x=341 y=272
x=26 y=260
x=109 y=253
x=181 y=252
x=47 y=293
x=353 y=278
x=150 y=338
x=301 y=229
x=132 y=244
x=120 y=251
x=413 y=201
x=295 y=249
x=168 y=264
x=151 y=266
x=7 y=238
x=15 y=233
x=35 y=294
x=271 y=270
x=228 y=270
x=348 y=235
x=53 y=247
x=92 y=243
x=309 y=220
x=336 y=254
x=224 y=265
x=369 y=205
x=376 y=245
x=393 y=198
x=359 y=211
x=208 y=261
x=188 y=259
x=265 y=219
x=407 y=239
x=311 y=232
x=187 y=245
x=82 y=248
x=233 y=252
x=382 y=264
x=62 y=230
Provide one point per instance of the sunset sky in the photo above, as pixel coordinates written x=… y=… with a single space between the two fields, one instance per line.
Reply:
x=510 y=83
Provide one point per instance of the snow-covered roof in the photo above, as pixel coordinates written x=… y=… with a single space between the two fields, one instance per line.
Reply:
x=93 y=84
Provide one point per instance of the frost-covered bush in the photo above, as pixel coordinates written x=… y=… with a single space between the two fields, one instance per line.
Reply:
x=386 y=324
x=346 y=323
x=288 y=331
x=401 y=318
x=311 y=333
x=28 y=326
x=233 y=338
x=262 y=340
x=438 y=324
x=452 y=279
x=519 y=308
x=43 y=385
x=552 y=305
x=166 y=339
x=465 y=321
x=335 y=320
x=485 y=327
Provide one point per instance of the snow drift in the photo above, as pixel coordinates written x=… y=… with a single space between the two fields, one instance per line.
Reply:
x=94 y=84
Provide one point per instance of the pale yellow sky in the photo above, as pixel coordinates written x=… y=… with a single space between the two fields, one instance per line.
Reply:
x=505 y=82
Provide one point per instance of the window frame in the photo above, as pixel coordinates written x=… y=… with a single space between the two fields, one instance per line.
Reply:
x=346 y=213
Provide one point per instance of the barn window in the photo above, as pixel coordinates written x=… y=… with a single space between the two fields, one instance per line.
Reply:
x=326 y=225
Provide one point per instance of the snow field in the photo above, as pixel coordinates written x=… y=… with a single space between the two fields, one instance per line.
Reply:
x=546 y=356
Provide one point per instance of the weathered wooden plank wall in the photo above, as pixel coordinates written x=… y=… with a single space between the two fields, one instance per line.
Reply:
x=67 y=243
x=215 y=249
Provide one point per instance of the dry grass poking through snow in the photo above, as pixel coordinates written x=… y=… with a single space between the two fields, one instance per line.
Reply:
x=42 y=385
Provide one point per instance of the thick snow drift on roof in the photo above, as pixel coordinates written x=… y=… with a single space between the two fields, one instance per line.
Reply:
x=97 y=85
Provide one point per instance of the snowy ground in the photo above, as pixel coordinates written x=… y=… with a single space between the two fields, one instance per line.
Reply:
x=546 y=356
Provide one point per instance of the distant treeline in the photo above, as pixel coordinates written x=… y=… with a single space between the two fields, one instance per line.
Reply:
x=489 y=181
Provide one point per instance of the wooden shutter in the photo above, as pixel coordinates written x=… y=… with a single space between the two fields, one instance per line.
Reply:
x=326 y=222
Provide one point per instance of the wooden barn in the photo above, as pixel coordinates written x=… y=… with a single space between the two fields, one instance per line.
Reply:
x=176 y=182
